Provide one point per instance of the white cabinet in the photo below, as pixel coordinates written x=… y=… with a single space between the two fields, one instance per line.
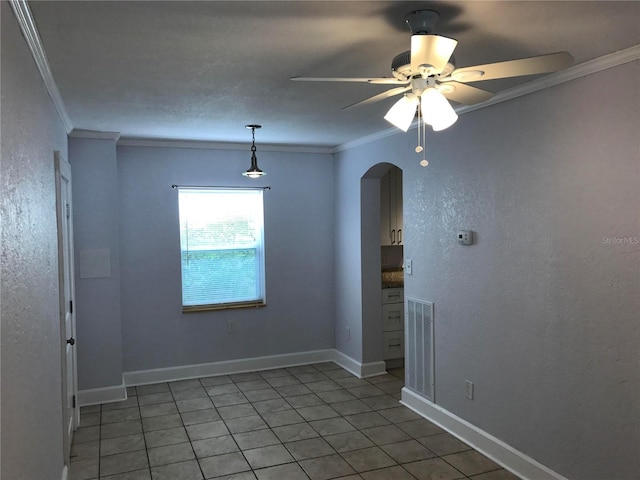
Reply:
x=393 y=323
x=393 y=343
x=391 y=207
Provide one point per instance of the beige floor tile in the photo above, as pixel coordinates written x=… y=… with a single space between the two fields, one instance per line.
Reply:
x=345 y=442
x=433 y=469
x=444 y=444
x=189 y=470
x=123 y=462
x=226 y=464
x=267 y=456
x=315 y=422
x=289 y=471
x=311 y=448
x=471 y=462
x=255 y=439
x=210 y=447
x=179 y=452
x=170 y=436
x=324 y=468
x=126 y=443
x=372 y=458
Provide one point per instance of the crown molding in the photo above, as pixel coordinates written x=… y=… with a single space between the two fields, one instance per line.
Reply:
x=577 y=71
x=27 y=25
x=389 y=132
x=30 y=32
x=166 y=143
x=94 y=134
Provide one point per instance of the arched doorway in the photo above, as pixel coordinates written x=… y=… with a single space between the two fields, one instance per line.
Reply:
x=382 y=262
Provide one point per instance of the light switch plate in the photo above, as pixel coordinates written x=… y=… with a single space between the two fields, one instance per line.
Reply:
x=465 y=237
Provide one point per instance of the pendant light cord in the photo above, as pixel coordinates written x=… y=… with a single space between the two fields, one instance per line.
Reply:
x=253 y=140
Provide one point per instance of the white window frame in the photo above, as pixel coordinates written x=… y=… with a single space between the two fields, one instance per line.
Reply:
x=187 y=194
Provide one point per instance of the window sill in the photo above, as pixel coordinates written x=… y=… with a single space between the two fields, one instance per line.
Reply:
x=222 y=306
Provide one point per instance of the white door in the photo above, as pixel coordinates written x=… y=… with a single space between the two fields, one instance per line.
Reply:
x=71 y=412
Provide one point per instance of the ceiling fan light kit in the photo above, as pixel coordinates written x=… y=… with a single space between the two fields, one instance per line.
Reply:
x=436 y=110
x=402 y=113
x=428 y=78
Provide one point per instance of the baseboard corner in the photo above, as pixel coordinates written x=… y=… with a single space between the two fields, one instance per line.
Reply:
x=500 y=452
x=360 y=370
x=95 y=396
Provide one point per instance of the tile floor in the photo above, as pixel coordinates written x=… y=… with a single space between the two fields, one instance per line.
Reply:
x=315 y=422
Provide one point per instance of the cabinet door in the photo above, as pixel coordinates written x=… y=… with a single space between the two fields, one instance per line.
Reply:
x=391 y=207
x=393 y=204
x=392 y=295
x=393 y=345
x=392 y=317
x=385 y=213
x=399 y=216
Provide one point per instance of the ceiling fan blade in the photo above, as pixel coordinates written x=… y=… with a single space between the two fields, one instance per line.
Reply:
x=465 y=94
x=375 y=81
x=430 y=53
x=513 y=68
x=380 y=96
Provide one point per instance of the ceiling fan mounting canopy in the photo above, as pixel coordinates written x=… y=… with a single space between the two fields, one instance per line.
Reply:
x=422 y=22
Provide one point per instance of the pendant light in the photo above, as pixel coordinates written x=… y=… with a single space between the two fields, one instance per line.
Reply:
x=254 y=171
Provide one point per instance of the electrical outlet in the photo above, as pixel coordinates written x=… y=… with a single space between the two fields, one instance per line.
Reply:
x=468 y=387
x=408 y=267
x=348 y=333
x=231 y=326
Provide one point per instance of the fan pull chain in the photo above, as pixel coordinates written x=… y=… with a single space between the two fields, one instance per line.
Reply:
x=419 y=146
x=424 y=162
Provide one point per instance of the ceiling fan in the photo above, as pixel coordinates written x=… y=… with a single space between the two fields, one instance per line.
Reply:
x=427 y=76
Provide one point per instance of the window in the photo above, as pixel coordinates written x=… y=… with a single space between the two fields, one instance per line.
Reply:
x=221 y=245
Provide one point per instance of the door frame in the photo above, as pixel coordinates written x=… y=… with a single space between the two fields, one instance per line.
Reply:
x=66 y=288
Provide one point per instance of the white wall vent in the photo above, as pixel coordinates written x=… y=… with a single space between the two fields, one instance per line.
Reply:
x=419 y=363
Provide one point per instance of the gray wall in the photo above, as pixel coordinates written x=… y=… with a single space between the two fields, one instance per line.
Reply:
x=152 y=328
x=348 y=265
x=96 y=227
x=542 y=312
x=31 y=343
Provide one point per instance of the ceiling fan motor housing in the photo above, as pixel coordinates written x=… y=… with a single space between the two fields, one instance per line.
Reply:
x=401 y=66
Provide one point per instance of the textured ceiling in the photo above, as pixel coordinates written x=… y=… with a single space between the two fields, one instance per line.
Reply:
x=202 y=70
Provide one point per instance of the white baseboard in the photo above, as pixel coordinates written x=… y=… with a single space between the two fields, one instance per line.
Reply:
x=360 y=370
x=95 y=396
x=185 y=372
x=511 y=459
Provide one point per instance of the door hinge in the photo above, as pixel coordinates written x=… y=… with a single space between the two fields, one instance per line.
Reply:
x=70 y=306
x=73 y=400
x=68 y=208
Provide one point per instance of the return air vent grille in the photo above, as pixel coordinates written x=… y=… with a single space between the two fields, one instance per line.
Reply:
x=419 y=345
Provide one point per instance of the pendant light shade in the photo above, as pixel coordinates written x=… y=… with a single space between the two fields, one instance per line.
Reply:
x=402 y=113
x=254 y=171
x=436 y=110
